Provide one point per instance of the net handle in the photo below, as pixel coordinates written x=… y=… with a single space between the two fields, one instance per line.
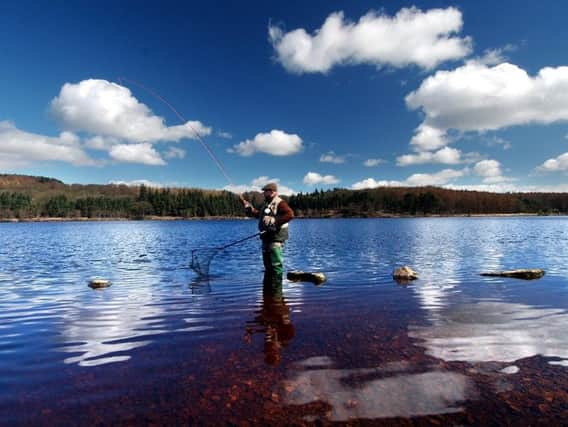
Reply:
x=242 y=240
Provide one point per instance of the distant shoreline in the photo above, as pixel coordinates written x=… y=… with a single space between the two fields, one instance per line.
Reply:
x=227 y=218
x=146 y=218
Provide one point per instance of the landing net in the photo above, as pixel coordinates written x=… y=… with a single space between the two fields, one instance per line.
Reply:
x=201 y=259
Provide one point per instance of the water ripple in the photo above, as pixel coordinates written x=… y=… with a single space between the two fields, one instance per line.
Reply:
x=53 y=325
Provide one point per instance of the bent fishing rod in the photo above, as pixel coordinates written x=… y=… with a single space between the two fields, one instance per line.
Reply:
x=185 y=123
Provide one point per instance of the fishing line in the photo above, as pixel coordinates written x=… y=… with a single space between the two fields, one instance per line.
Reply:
x=200 y=258
x=184 y=121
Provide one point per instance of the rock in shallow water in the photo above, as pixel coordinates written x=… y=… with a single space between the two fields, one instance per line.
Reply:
x=526 y=274
x=99 y=283
x=303 y=276
x=404 y=273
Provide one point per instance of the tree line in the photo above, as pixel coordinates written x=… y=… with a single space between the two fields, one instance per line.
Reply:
x=384 y=201
x=117 y=202
x=183 y=203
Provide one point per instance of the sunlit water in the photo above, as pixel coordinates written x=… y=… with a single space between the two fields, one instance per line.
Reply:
x=162 y=345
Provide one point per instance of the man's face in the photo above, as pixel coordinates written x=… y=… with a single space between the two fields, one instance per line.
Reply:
x=269 y=194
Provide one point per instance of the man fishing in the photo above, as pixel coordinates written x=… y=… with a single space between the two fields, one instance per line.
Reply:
x=273 y=221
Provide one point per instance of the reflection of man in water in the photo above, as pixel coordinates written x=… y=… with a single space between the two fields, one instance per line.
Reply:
x=273 y=319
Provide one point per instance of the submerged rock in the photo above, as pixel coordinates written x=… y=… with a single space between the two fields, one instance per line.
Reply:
x=527 y=274
x=303 y=276
x=404 y=273
x=99 y=283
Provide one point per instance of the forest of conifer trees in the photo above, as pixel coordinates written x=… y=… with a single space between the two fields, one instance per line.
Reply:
x=149 y=202
x=64 y=201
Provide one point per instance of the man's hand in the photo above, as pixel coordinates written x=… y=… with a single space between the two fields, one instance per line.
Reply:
x=246 y=204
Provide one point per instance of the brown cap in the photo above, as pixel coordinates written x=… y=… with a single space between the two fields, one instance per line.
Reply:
x=270 y=186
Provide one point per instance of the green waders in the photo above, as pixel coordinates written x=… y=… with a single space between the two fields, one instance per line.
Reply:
x=272 y=258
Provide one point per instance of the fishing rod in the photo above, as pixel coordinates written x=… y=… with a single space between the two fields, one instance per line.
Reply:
x=200 y=258
x=184 y=122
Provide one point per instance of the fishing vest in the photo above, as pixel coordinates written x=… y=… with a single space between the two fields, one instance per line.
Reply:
x=270 y=209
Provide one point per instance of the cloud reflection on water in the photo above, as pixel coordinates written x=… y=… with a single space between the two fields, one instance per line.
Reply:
x=450 y=254
x=99 y=334
x=388 y=391
x=105 y=330
x=491 y=331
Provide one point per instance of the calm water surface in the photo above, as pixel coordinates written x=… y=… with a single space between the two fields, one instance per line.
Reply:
x=163 y=346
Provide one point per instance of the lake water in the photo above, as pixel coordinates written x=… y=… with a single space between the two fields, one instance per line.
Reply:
x=163 y=346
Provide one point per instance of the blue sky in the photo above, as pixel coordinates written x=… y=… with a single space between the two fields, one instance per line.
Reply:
x=317 y=94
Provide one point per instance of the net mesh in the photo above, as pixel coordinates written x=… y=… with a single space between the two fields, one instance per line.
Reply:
x=201 y=260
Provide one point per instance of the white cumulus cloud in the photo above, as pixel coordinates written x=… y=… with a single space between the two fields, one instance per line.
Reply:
x=556 y=164
x=495 y=56
x=373 y=162
x=138 y=182
x=101 y=143
x=19 y=148
x=438 y=178
x=372 y=183
x=416 y=180
x=498 y=141
x=429 y=138
x=477 y=97
x=174 y=153
x=509 y=187
x=225 y=135
x=275 y=143
x=256 y=185
x=411 y=37
x=137 y=153
x=446 y=155
x=487 y=168
x=314 y=178
x=107 y=109
x=331 y=157
x=491 y=172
